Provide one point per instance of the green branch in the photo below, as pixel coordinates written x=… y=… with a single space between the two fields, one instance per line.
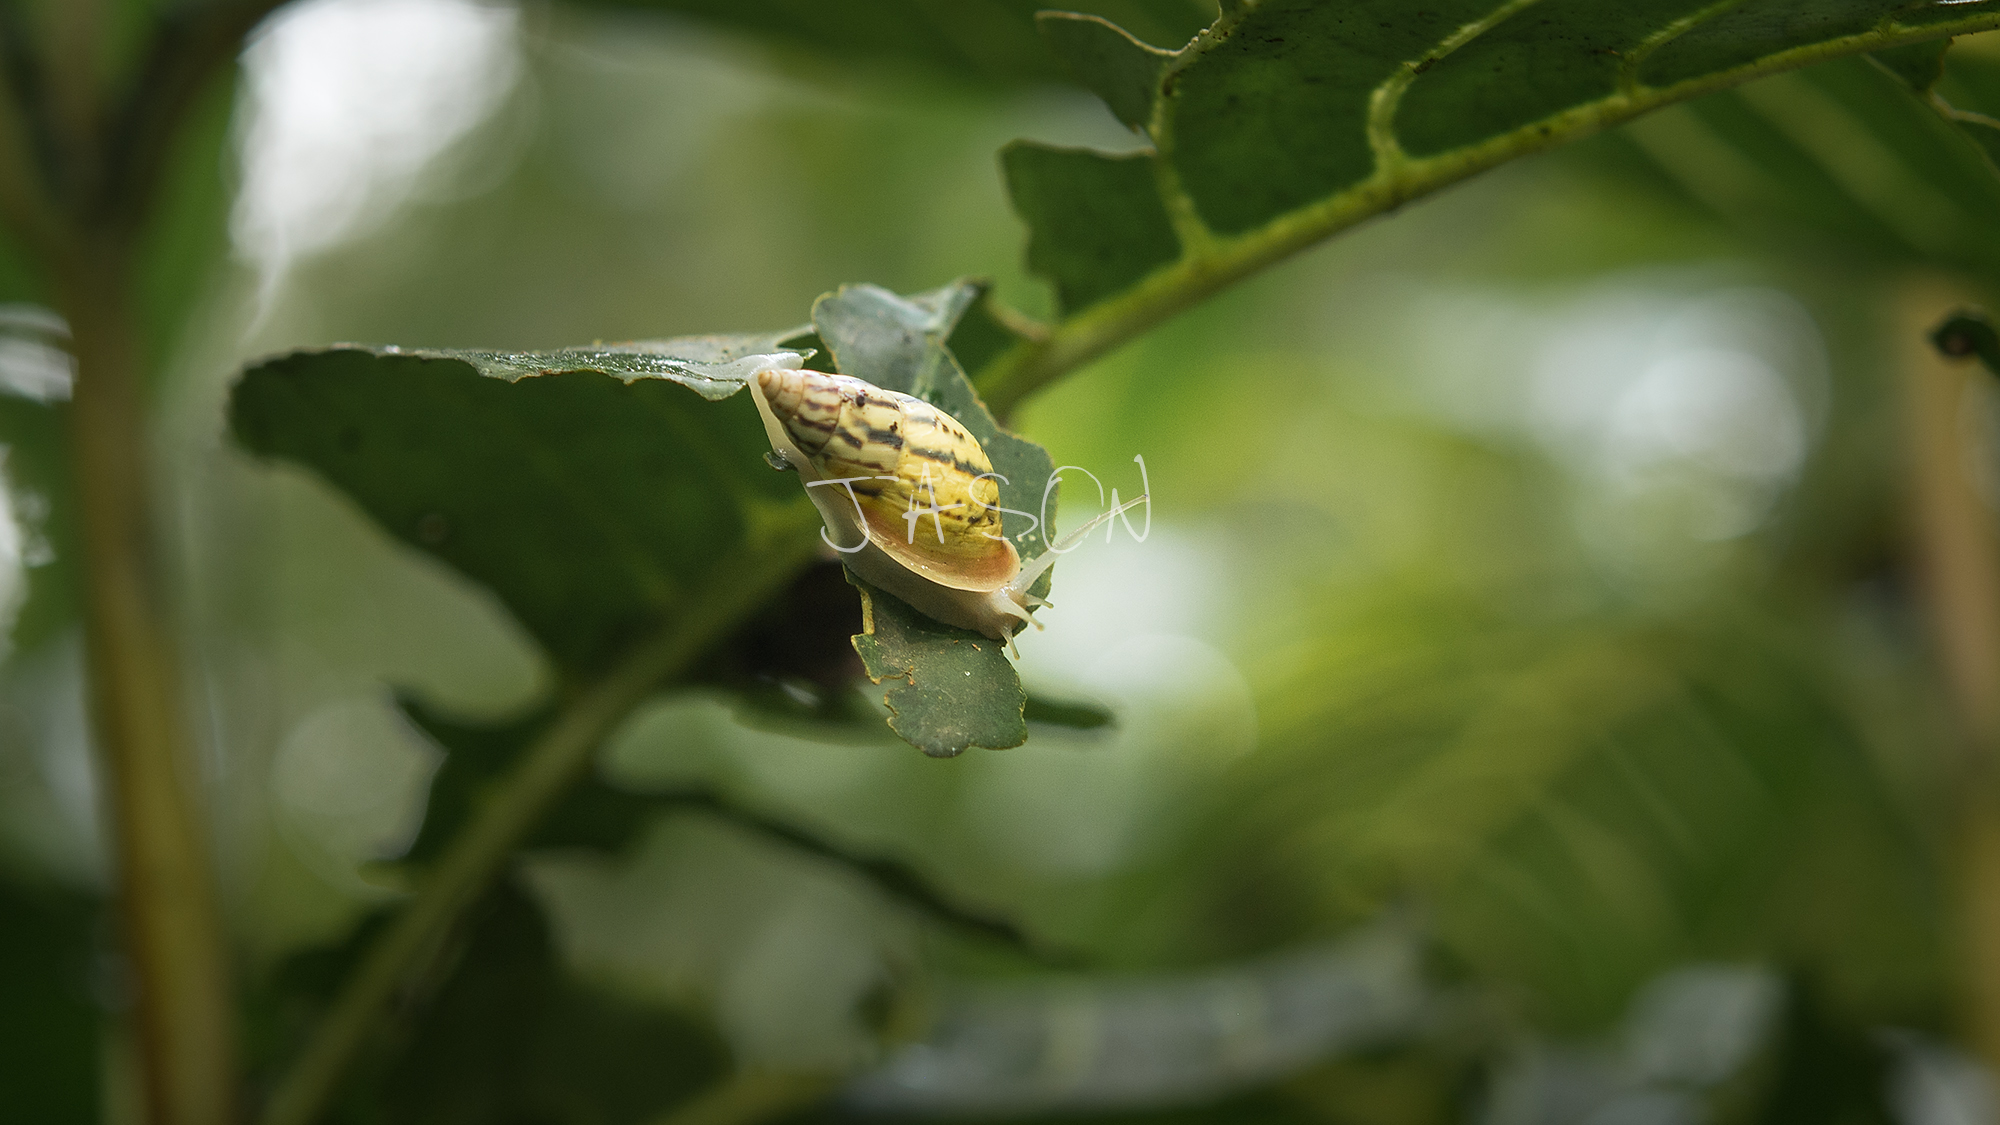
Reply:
x=183 y=1011
x=1223 y=261
x=557 y=759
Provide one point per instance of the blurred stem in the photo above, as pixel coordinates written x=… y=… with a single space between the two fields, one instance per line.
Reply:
x=184 y=1017
x=548 y=767
x=24 y=140
x=1957 y=541
x=55 y=142
x=1213 y=264
x=190 y=44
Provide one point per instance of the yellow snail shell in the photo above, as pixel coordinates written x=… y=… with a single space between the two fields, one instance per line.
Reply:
x=906 y=493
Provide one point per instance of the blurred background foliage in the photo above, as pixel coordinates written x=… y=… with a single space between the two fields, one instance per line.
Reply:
x=1524 y=708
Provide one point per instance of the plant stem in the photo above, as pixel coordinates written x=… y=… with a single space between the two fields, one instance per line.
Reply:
x=1957 y=547
x=24 y=202
x=1227 y=259
x=184 y=1013
x=478 y=853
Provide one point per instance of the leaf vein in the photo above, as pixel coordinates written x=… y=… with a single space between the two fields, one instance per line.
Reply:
x=1386 y=98
x=1628 y=68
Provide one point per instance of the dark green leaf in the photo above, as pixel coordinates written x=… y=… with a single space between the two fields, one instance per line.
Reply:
x=1919 y=64
x=588 y=488
x=51 y=1033
x=1095 y=222
x=1584 y=810
x=1105 y=58
x=1286 y=109
x=982 y=334
x=1968 y=93
x=947 y=689
x=1746 y=32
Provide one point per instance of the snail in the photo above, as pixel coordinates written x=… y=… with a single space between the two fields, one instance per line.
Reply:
x=908 y=497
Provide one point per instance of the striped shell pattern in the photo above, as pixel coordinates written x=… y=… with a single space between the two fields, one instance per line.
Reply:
x=921 y=483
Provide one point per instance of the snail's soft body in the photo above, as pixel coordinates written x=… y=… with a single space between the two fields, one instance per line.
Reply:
x=906 y=493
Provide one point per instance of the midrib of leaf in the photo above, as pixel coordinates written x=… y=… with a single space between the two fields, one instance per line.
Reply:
x=1215 y=262
x=1189 y=228
x=1384 y=100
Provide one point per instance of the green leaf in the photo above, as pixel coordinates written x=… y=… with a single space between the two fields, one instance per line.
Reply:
x=946 y=689
x=1967 y=92
x=1586 y=808
x=983 y=332
x=588 y=488
x=1919 y=64
x=1105 y=58
x=1095 y=222
x=51 y=1039
x=1289 y=120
